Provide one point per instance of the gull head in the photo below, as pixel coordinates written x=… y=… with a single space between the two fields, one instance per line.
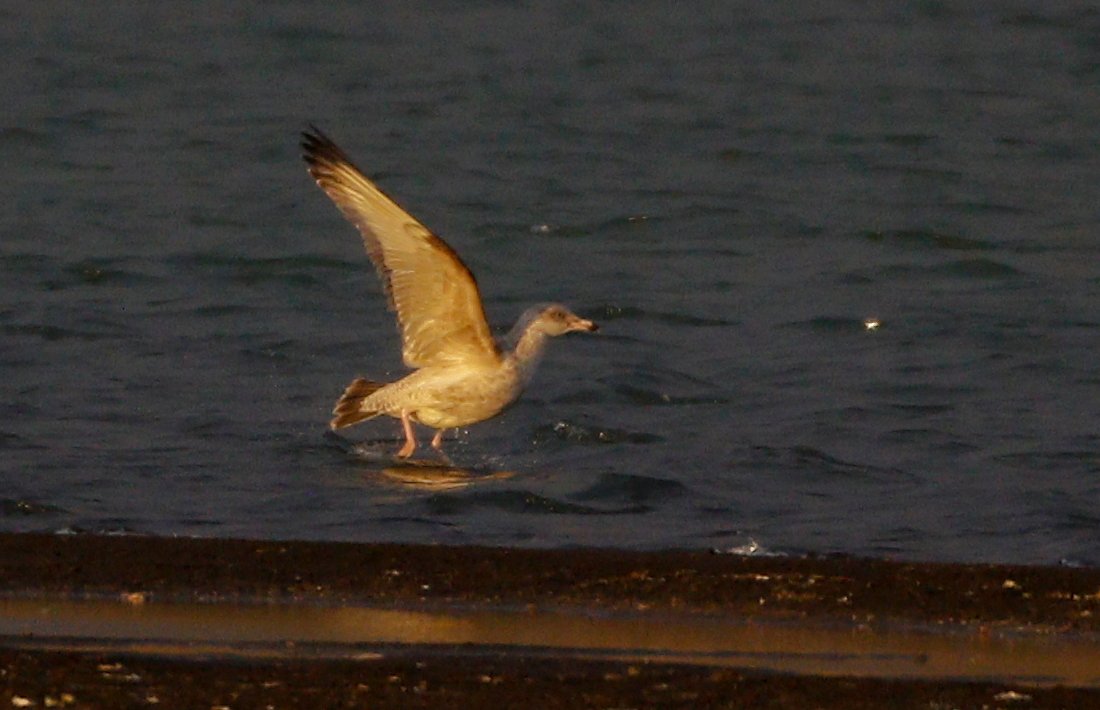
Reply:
x=556 y=319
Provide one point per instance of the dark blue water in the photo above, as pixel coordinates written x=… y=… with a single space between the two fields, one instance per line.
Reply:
x=731 y=191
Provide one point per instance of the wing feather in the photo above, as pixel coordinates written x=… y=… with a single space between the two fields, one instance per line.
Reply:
x=435 y=296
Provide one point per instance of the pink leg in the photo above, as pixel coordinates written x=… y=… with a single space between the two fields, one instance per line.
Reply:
x=437 y=444
x=410 y=437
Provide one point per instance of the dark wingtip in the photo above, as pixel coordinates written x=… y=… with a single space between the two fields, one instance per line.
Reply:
x=313 y=134
x=316 y=145
x=321 y=153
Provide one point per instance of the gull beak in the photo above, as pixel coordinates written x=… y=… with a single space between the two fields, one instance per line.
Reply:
x=584 y=325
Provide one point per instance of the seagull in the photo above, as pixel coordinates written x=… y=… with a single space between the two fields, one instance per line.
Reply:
x=460 y=374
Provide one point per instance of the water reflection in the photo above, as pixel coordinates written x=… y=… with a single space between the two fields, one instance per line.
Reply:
x=437 y=476
x=430 y=473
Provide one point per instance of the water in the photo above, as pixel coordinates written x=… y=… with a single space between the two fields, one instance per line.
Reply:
x=731 y=192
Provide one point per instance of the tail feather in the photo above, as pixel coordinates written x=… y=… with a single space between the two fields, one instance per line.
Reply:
x=349 y=408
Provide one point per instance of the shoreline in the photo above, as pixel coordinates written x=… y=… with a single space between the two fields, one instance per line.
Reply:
x=849 y=589
x=498 y=626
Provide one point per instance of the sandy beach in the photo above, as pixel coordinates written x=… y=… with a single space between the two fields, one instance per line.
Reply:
x=93 y=621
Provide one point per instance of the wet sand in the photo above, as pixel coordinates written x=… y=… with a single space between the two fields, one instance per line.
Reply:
x=348 y=625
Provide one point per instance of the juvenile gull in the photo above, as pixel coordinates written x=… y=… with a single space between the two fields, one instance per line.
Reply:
x=460 y=374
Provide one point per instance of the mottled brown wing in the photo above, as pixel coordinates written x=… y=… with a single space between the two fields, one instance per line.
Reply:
x=438 y=306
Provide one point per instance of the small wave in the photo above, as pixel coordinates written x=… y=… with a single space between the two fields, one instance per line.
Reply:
x=807 y=458
x=297 y=270
x=908 y=169
x=922 y=410
x=10 y=508
x=584 y=396
x=981 y=268
x=966 y=268
x=987 y=208
x=933 y=438
x=216 y=311
x=18 y=136
x=751 y=548
x=928 y=239
x=14 y=441
x=615 y=312
x=648 y=397
x=680 y=251
x=632 y=488
x=1054 y=460
x=106 y=529
x=517 y=501
x=21 y=263
x=627 y=221
x=908 y=140
x=56 y=275
x=55 y=333
x=582 y=434
x=823 y=461
x=830 y=324
x=733 y=154
x=897 y=539
x=916 y=395
x=278 y=350
x=210 y=220
x=98 y=272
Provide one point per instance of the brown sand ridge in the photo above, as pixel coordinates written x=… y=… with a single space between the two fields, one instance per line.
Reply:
x=1012 y=605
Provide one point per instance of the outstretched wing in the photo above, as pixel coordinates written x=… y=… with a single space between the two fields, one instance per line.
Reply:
x=438 y=306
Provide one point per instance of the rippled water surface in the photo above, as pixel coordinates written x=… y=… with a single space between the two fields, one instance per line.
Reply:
x=731 y=192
